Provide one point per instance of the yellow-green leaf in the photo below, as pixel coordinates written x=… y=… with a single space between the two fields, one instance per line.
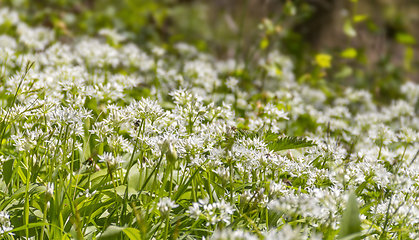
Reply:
x=359 y=18
x=132 y=233
x=351 y=223
x=405 y=38
x=349 y=53
x=348 y=29
x=323 y=60
x=409 y=55
x=264 y=43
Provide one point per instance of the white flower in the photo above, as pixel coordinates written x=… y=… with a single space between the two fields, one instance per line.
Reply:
x=185 y=48
x=36 y=38
x=145 y=109
x=158 y=51
x=5 y=224
x=112 y=34
x=274 y=113
x=7 y=15
x=165 y=205
x=112 y=162
x=229 y=234
x=382 y=133
x=194 y=211
x=408 y=135
x=213 y=213
x=87 y=193
x=232 y=83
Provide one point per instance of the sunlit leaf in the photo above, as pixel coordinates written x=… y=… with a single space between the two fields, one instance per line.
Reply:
x=348 y=29
x=288 y=142
x=351 y=223
x=264 y=43
x=405 y=38
x=132 y=233
x=323 y=60
x=360 y=18
x=349 y=53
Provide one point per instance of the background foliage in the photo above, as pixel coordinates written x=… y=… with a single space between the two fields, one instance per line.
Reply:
x=373 y=43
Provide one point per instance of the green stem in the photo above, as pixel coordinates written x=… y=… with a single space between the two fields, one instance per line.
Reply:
x=44 y=218
x=171 y=181
x=3 y=123
x=130 y=164
x=27 y=201
x=166 y=227
x=97 y=197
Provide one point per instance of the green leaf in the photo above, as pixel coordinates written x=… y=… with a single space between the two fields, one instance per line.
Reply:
x=132 y=233
x=409 y=56
x=111 y=232
x=348 y=29
x=184 y=186
x=264 y=43
x=357 y=235
x=134 y=178
x=346 y=71
x=288 y=142
x=359 y=18
x=8 y=170
x=270 y=137
x=246 y=134
x=34 y=188
x=167 y=105
x=30 y=225
x=349 y=53
x=405 y=38
x=351 y=223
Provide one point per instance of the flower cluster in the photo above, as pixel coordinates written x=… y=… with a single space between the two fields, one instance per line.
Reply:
x=5 y=224
x=113 y=130
x=213 y=213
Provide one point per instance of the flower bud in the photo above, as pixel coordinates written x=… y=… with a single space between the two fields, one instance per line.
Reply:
x=165 y=146
x=171 y=154
x=49 y=192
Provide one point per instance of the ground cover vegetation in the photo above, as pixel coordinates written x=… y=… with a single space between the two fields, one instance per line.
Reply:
x=102 y=139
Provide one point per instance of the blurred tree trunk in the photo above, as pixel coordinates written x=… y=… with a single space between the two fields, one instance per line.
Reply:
x=324 y=27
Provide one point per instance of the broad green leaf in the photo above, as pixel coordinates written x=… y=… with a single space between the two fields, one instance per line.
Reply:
x=351 y=223
x=323 y=60
x=269 y=137
x=348 y=29
x=8 y=170
x=134 y=178
x=33 y=189
x=405 y=38
x=288 y=142
x=357 y=235
x=167 y=105
x=132 y=233
x=346 y=71
x=30 y=225
x=246 y=133
x=359 y=18
x=264 y=43
x=111 y=232
x=120 y=190
x=95 y=175
x=349 y=53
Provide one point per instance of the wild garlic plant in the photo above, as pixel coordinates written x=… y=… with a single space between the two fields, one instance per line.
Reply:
x=107 y=140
